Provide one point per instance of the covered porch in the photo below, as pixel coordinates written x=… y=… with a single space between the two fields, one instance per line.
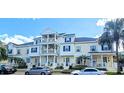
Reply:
x=49 y=60
x=103 y=60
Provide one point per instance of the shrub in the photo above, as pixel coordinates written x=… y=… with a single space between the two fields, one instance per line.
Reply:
x=66 y=71
x=78 y=67
x=113 y=73
x=22 y=65
x=103 y=69
x=59 y=67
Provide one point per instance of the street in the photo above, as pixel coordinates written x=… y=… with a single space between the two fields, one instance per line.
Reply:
x=22 y=72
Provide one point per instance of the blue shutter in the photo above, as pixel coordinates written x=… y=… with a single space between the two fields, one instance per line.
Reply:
x=69 y=48
x=63 y=48
x=65 y=39
x=69 y=39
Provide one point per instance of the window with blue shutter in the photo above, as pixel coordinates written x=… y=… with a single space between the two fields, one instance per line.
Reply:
x=63 y=48
x=34 y=50
x=69 y=48
x=68 y=39
x=66 y=48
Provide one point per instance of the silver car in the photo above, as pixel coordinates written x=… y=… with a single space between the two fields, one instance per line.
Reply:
x=39 y=71
x=88 y=71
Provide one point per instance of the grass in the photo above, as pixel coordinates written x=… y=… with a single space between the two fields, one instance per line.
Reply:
x=113 y=73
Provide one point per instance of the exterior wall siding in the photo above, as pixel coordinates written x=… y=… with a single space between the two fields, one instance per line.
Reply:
x=59 y=57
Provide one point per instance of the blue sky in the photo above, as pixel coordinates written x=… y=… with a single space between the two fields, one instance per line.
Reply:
x=27 y=27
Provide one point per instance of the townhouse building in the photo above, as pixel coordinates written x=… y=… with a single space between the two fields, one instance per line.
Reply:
x=60 y=49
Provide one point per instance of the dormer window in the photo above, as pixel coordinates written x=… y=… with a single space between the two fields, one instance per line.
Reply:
x=68 y=39
x=105 y=47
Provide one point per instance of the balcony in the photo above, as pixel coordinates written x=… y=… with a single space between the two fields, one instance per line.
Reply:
x=44 y=51
x=49 y=38
x=50 y=51
x=44 y=40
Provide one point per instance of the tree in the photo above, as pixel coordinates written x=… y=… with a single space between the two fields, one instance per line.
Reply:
x=19 y=61
x=3 y=53
x=113 y=33
x=83 y=58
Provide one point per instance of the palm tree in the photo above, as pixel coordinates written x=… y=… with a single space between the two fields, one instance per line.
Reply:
x=114 y=33
x=3 y=53
x=83 y=58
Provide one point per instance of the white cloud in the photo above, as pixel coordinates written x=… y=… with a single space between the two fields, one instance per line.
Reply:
x=101 y=22
x=17 y=39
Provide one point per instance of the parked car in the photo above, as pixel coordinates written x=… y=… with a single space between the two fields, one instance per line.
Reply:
x=38 y=71
x=7 y=69
x=88 y=71
x=103 y=70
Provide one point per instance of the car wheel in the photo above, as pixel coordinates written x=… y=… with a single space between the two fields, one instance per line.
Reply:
x=42 y=73
x=75 y=74
x=2 y=72
x=26 y=73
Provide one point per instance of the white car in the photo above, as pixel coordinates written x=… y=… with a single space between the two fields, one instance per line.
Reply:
x=88 y=71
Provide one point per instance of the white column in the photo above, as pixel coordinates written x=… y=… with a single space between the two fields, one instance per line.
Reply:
x=47 y=60
x=112 y=63
x=54 y=62
x=102 y=60
x=48 y=38
x=91 y=63
x=55 y=37
x=55 y=48
x=47 y=48
x=40 y=61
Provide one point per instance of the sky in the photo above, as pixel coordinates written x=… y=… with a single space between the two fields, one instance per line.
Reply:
x=22 y=30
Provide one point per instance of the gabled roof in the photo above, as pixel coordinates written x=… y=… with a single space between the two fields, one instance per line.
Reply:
x=84 y=39
x=13 y=43
x=26 y=44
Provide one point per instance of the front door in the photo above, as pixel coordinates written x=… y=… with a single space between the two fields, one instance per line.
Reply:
x=67 y=61
x=104 y=61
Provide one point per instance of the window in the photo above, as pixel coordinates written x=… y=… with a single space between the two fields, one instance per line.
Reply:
x=78 y=48
x=66 y=48
x=90 y=70
x=28 y=60
x=92 y=48
x=27 y=51
x=34 y=50
x=67 y=61
x=39 y=68
x=18 y=51
x=10 y=51
x=105 y=47
x=67 y=39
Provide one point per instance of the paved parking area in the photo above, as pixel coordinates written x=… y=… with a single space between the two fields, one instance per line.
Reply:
x=22 y=72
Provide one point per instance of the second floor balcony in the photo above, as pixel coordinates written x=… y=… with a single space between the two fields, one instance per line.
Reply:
x=50 y=51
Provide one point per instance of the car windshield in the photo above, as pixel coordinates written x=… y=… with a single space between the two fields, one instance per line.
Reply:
x=90 y=70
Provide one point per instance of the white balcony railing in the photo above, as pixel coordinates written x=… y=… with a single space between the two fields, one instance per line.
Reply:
x=49 y=51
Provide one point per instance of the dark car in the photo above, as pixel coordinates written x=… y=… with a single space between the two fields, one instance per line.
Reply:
x=7 y=69
x=39 y=71
x=3 y=70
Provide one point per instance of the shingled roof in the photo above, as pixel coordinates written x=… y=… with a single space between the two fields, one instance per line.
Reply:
x=84 y=39
x=26 y=44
